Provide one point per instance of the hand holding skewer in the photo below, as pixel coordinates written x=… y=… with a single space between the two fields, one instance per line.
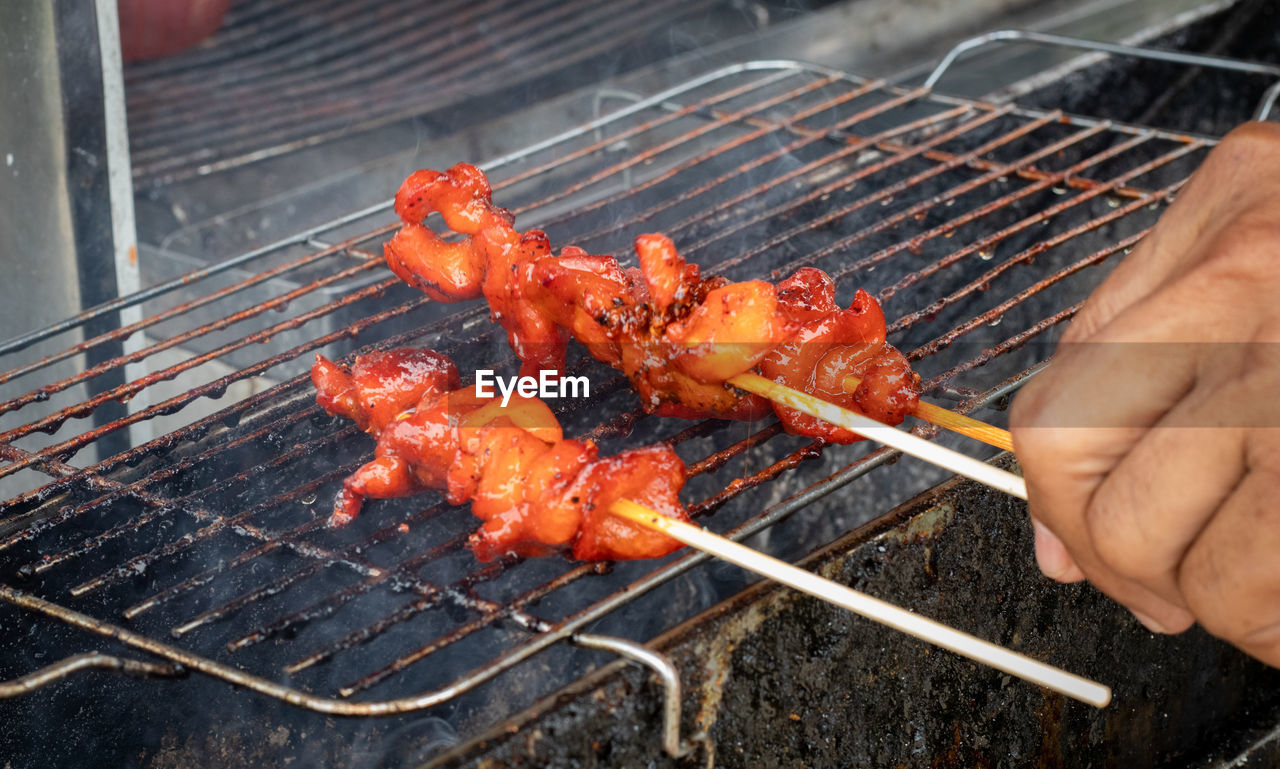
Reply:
x=1151 y=446
x=862 y=604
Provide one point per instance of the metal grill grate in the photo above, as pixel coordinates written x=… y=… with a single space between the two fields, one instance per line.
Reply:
x=284 y=74
x=980 y=227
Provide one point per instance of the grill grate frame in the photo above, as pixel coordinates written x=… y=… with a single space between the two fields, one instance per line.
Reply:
x=283 y=75
x=745 y=149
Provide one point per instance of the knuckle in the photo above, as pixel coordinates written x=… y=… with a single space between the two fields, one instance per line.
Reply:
x=1121 y=544
x=1247 y=244
x=1230 y=282
x=1244 y=150
x=1249 y=140
x=1088 y=321
x=1217 y=595
x=1099 y=309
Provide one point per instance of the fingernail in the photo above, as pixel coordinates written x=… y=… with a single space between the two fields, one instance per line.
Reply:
x=1149 y=623
x=1051 y=554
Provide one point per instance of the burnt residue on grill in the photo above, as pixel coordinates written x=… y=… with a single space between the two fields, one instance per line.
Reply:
x=1174 y=97
x=781 y=679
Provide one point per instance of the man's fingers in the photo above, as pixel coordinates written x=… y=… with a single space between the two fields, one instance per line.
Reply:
x=1151 y=608
x=1207 y=203
x=1059 y=492
x=1141 y=520
x=1231 y=575
x=1089 y=410
x=1052 y=556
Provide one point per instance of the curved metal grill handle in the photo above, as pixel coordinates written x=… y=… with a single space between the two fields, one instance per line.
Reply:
x=1268 y=101
x=87 y=661
x=1262 y=111
x=659 y=664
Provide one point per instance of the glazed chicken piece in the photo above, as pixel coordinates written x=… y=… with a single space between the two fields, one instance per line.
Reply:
x=674 y=335
x=381 y=385
x=536 y=492
x=677 y=337
x=486 y=263
x=832 y=343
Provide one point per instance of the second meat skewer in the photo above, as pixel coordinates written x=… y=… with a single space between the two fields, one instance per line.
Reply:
x=538 y=493
x=677 y=337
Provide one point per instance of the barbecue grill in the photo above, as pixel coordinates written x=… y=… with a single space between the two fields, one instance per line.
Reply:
x=198 y=552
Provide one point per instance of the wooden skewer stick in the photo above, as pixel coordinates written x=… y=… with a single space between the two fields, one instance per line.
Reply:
x=912 y=624
x=1001 y=480
x=953 y=421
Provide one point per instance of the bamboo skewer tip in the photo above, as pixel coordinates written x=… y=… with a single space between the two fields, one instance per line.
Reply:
x=953 y=421
x=948 y=459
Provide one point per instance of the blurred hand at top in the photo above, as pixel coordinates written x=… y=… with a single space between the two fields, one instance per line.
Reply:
x=153 y=28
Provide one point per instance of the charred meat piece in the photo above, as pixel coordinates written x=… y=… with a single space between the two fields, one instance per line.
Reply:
x=536 y=492
x=676 y=336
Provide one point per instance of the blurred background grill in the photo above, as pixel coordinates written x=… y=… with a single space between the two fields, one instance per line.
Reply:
x=284 y=74
x=168 y=495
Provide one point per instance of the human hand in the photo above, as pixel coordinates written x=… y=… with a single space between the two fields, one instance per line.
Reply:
x=154 y=28
x=1151 y=445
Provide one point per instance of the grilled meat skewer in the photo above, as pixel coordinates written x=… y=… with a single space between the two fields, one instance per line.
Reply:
x=677 y=336
x=535 y=491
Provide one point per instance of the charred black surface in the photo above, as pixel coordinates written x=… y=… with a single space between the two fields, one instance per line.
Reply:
x=780 y=679
x=1173 y=96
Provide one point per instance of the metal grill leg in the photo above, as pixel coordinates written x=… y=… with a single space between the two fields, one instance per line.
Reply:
x=659 y=664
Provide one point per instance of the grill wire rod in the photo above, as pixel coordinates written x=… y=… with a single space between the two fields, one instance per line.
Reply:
x=965 y=47
x=87 y=661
